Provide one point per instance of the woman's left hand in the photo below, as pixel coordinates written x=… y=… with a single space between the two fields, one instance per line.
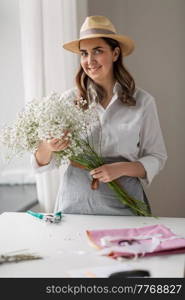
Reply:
x=108 y=172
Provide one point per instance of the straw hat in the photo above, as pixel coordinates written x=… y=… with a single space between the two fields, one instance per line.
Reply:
x=100 y=26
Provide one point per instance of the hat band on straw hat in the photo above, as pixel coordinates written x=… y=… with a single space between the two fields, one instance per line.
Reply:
x=95 y=31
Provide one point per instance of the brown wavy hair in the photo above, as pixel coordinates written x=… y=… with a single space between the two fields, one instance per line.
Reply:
x=121 y=75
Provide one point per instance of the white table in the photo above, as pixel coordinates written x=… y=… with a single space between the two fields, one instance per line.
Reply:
x=65 y=246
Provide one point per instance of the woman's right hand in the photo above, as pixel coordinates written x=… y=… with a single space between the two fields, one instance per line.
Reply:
x=44 y=152
x=55 y=144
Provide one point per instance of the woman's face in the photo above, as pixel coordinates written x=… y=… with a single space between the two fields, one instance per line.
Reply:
x=97 y=59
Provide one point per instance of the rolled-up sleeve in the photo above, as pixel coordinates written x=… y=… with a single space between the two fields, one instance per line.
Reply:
x=40 y=169
x=153 y=154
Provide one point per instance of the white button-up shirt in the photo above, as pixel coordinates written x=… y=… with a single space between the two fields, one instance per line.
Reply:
x=132 y=132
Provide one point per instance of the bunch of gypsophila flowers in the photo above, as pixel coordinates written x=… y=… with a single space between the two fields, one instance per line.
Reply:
x=46 y=118
x=51 y=116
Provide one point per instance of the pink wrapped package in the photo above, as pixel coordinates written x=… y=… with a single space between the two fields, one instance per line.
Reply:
x=134 y=242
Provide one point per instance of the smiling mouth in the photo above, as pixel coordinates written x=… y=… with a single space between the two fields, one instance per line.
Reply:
x=94 y=69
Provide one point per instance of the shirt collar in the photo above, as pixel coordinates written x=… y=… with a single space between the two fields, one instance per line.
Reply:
x=117 y=89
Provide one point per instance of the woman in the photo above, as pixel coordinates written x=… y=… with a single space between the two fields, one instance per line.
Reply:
x=131 y=144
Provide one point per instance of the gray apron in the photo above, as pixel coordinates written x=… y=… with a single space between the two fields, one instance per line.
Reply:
x=75 y=195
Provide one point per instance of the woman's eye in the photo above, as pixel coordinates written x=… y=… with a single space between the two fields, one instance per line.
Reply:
x=83 y=53
x=98 y=51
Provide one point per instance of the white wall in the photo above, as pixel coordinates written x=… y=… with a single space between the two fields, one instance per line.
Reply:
x=158 y=66
x=11 y=86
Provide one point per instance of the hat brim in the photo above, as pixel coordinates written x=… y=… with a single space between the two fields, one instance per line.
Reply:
x=126 y=44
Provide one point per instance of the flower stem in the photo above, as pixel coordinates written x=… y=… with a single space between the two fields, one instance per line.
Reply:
x=138 y=207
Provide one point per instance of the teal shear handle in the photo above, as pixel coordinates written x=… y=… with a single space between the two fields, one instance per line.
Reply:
x=37 y=215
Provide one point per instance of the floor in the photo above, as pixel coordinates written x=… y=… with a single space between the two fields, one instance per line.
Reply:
x=18 y=197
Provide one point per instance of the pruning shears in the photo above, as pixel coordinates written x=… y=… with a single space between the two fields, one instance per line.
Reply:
x=51 y=218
